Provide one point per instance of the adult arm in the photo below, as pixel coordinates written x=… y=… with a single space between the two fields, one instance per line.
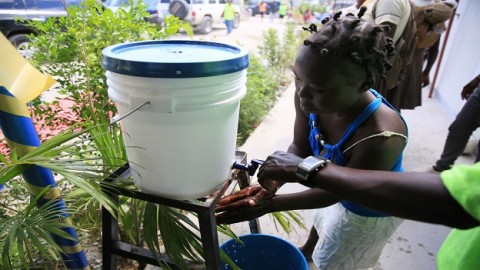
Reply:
x=390 y=12
x=417 y=196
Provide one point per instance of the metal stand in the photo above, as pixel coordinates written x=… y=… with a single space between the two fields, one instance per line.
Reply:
x=204 y=208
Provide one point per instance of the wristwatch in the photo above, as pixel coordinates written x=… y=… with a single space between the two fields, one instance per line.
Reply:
x=308 y=167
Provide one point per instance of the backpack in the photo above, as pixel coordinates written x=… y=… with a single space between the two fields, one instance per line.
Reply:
x=404 y=50
x=430 y=21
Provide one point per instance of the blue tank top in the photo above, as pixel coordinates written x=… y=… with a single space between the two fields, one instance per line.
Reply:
x=334 y=152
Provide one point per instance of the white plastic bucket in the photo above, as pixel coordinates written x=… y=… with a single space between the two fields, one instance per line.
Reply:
x=180 y=145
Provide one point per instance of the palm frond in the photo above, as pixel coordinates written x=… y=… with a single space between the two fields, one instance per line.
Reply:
x=226 y=230
x=87 y=172
x=287 y=220
x=30 y=231
x=179 y=240
x=150 y=232
x=107 y=137
x=3 y=160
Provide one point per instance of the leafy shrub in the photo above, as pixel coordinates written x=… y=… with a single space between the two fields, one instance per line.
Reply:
x=70 y=49
x=268 y=75
x=271 y=52
x=320 y=8
x=260 y=98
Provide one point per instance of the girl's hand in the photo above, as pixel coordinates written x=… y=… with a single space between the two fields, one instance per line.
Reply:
x=246 y=204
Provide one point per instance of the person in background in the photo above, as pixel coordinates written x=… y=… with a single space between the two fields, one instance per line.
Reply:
x=339 y=118
x=430 y=58
x=272 y=10
x=262 y=8
x=435 y=25
x=466 y=122
x=307 y=16
x=282 y=10
x=450 y=198
x=430 y=17
x=229 y=15
x=290 y=17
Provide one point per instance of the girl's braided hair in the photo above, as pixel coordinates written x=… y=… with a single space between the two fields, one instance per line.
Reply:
x=364 y=42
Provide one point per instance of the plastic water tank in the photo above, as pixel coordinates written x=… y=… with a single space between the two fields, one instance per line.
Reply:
x=181 y=142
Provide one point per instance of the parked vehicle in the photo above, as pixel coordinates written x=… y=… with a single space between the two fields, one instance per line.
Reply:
x=40 y=10
x=151 y=8
x=201 y=14
x=17 y=32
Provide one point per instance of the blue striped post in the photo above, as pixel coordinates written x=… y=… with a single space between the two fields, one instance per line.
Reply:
x=20 y=83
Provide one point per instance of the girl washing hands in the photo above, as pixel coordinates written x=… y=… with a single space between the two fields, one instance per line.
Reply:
x=339 y=119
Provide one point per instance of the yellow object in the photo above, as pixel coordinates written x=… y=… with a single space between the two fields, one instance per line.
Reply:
x=229 y=12
x=17 y=75
x=20 y=83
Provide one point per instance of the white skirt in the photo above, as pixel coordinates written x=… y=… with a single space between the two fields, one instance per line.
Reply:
x=349 y=241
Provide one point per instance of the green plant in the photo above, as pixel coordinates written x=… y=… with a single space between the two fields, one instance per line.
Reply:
x=26 y=234
x=272 y=53
x=320 y=8
x=289 y=45
x=70 y=49
x=280 y=53
x=21 y=237
x=260 y=97
x=268 y=74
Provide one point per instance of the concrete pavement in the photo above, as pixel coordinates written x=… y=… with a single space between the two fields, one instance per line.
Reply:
x=414 y=245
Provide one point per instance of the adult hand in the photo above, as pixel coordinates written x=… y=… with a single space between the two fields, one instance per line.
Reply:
x=470 y=87
x=248 y=203
x=280 y=166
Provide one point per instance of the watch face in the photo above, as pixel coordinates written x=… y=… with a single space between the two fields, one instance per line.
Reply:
x=311 y=161
x=308 y=166
x=302 y=172
x=305 y=167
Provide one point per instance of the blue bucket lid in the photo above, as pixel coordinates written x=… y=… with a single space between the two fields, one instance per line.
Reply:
x=174 y=59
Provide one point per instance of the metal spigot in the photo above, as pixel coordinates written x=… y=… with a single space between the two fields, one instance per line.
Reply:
x=251 y=167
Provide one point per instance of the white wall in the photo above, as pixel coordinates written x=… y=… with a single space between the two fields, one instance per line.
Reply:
x=461 y=60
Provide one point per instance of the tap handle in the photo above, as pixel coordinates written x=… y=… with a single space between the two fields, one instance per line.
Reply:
x=251 y=168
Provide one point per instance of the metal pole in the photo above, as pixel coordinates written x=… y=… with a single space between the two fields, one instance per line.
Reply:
x=442 y=50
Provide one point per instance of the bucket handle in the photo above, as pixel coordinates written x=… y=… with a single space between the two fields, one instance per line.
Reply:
x=117 y=117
